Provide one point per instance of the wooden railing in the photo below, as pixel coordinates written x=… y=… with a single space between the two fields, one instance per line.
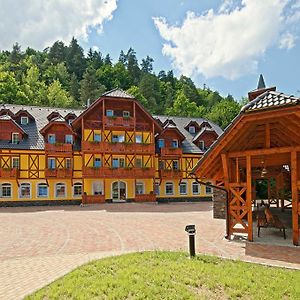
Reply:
x=7 y=173
x=145 y=198
x=105 y=172
x=118 y=147
x=90 y=199
x=169 y=173
x=58 y=173
x=58 y=147
x=118 y=122
x=170 y=151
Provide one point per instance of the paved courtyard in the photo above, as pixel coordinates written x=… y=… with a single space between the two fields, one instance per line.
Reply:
x=40 y=244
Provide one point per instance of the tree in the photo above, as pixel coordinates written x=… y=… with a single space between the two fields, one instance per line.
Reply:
x=147 y=64
x=94 y=59
x=133 y=69
x=57 y=53
x=90 y=87
x=76 y=62
x=183 y=107
x=74 y=89
x=135 y=91
x=16 y=54
x=57 y=72
x=107 y=60
x=57 y=96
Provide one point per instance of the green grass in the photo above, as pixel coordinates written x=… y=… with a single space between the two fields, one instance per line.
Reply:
x=171 y=275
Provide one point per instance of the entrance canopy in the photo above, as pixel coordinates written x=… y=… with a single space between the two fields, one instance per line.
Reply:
x=262 y=141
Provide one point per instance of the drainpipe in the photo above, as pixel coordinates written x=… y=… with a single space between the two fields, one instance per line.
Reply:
x=226 y=202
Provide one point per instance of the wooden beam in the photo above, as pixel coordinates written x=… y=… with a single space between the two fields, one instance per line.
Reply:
x=268 y=136
x=295 y=200
x=249 y=199
x=226 y=184
x=264 y=151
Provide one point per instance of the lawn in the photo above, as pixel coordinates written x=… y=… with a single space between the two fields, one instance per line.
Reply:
x=171 y=275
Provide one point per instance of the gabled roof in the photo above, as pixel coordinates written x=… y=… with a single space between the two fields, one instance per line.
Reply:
x=9 y=118
x=200 y=133
x=173 y=127
x=24 y=111
x=52 y=115
x=59 y=120
x=117 y=93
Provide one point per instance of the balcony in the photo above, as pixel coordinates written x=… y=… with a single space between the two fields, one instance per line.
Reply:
x=118 y=147
x=58 y=147
x=90 y=199
x=105 y=172
x=169 y=173
x=9 y=173
x=119 y=122
x=58 y=173
x=145 y=198
x=169 y=151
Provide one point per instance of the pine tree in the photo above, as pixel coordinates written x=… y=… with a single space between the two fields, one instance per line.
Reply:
x=57 y=53
x=74 y=89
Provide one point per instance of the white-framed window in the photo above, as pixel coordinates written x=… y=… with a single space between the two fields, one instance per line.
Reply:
x=77 y=189
x=196 y=188
x=126 y=114
x=139 y=188
x=201 y=144
x=42 y=190
x=109 y=113
x=51 y=163
x=183 y=188
x=97 y=162
x=115 y=163
x=15 y=164
x=68 y=163
x=161 y=143
x=156 y=188
x=97 y=188
x=138 y=139
x=175 y=165
x=69 y=139
x=25 y=190
x=138 y=163
x=208 y=189
x=24 y=120
x=60 y=190
x=97 y=137
x=51 y=138
x=174 y=143
x=15 y=138
x=192 y=129
x=169 y=188
x=115 y=138
x=6 y=190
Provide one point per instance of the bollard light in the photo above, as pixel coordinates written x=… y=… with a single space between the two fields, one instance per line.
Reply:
x=191 y=231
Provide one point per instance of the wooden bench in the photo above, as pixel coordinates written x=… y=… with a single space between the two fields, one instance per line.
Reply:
x=265 y=219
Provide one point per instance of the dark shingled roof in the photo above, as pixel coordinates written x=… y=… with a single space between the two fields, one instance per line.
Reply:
x=270 y=100
x=118 y=93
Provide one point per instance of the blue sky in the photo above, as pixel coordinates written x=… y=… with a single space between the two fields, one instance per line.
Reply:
x=224 y=44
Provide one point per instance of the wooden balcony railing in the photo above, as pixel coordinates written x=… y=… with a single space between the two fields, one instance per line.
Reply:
x=169 y=173
x=145 y=198
x=105 y=172
x=58 y=147
x=7 y=173
x=118 y=147
x=58 y=173
x=90 y=199
x=170 y=151
x=118 y=122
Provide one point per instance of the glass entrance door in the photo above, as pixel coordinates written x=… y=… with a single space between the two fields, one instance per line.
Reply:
x=119 y=190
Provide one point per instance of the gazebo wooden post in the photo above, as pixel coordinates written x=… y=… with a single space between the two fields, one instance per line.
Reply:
x=226 y=185
x=249 y=197
x=295 y=201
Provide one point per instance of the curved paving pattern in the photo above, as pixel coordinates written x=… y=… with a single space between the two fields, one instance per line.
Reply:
x=39 y=244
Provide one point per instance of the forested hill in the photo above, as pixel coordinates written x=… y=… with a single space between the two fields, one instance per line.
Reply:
x=63 y=76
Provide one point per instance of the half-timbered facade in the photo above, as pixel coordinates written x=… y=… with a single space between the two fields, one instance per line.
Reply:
x=114 y=150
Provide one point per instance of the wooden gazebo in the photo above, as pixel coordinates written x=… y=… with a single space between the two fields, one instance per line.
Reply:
x=263 y=140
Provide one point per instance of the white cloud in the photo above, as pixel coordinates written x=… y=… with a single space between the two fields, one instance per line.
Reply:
x=38 y=23
x=229 y=42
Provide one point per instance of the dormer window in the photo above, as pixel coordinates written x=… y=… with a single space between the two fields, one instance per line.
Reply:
x=69 y=139
x=51 y=138
x=109 y=113
x=15 y=139
x=24 y=120
x=202 y=145
x=192 y=129
x=126 y=114
x=174 y=143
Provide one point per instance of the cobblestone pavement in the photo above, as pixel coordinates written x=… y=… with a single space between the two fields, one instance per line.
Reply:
x=40 y=244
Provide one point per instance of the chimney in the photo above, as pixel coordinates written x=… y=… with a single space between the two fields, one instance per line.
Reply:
x=261 y=88
x=88 y=103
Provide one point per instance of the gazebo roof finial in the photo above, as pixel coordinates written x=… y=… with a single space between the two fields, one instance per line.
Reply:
x=261 y=82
